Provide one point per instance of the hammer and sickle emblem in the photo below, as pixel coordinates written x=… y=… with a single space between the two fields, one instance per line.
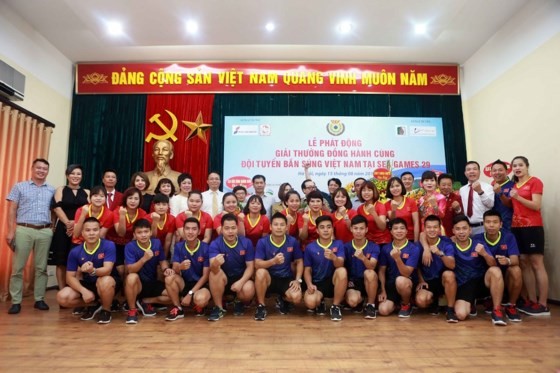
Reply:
x=169 y=132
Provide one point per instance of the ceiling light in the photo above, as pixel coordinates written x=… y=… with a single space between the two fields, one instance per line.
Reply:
x=345 y=27
x=421 y=29
x=270 y=26
x=192 y=27
x=114 y=28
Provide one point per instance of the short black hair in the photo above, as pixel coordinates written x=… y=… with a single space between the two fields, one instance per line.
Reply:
x=358 y=219
x=160 y=198
x=397 y=221
x=92 y=219
x=228 y=217
x=428 y=175
x=237 y=188
x=445 y=176
x=314 y=195
x=141 y=223
x=258 y=177
x=491 y=212
x=251 y=199
x=42 y=160
x=279 y=215
x=500 y=162
x=459 y=218
x=323 y=218
x=97 y=190
x=473 y=162
x=432 y=218
x=407 y=173
x=191 y=219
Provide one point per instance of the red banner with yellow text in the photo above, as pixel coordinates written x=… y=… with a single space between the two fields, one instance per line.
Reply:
x=266 y=77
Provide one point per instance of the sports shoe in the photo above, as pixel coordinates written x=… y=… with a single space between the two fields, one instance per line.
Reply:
x=498 y=317
x=322 y=309
x=104 y=317
x=160 y=307
x=216 y=314
x=536 y=309
x=90 y=312
x=450 y=316
x=336 y=313
x=434 y=308
x=370 y=311
x=260 y=313
x=146 y=308
x=405 y=311
x=473 y=312
x=238 y=308
x=358 y=309
x=175 y=313
x=132 y=316
x=77 y=311
x=488 y=306
x=125 y=307
x=512 y=314
x=115 y=306
x=198 y=311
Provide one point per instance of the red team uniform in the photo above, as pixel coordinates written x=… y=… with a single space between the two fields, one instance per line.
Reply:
x=294 y=228
x=341 y=230
x=375 y=234
x=312 y=234
x=165 y=226
x=105 y=218
x=255 y=232
x=203 y=218
x=524 y=216
x=404 y=211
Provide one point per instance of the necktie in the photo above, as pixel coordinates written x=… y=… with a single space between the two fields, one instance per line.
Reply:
x=214 y=204
x=470 y=202
x=110 y=200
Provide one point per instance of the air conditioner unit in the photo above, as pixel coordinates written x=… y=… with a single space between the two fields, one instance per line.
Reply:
x=12 y=82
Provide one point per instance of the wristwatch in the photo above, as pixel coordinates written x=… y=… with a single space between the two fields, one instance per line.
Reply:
x=299 y=280
x=191 y=292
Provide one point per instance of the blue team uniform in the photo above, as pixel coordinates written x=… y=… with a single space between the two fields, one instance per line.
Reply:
x=106 y=252
x=436 y=268
x=266 y=250
x=198 y=257
x=505 y=212
x=506 y=245
x=468 y=264
x=321 y=267
x=235 y=257
x=133 y=253
x=410 y=254
x=355 y=266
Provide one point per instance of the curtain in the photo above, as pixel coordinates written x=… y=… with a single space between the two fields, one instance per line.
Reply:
x=107 y=131
x=23 y=138
x=190 y=155
x=447 y=107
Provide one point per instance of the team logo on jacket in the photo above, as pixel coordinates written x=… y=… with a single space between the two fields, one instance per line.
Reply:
x=156 y=253
x=101 y=256
x=334 y=249
x=241 y=252
x=474 y=254
x=290 y=249
x=200 y=259
x=503 y=247
x=405 y=255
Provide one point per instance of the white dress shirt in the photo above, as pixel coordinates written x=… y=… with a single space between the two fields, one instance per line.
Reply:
x=207 y=202
x=481 y=203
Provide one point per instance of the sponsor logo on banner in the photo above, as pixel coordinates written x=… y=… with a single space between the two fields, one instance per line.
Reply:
x=422 y=131
x=401 y=130
x=265 y=130
x=239 y=180
x=336 y=127
x=245 y=130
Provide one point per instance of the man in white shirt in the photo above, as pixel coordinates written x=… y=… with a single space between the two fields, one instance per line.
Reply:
x=357 y=186
x=477 y=197
x=259 y=184
x=212 y=198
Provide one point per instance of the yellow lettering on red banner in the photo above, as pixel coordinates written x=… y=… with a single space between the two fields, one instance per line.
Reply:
x=342 y=77
x=199 y=78
x=162 y=78
x=261 y=78
x=231 y=78
x=127 y=77
x=379 y=78
x=302 y=77
x=414 y=78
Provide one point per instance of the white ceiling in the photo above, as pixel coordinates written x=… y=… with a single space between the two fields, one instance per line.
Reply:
x=234 y=29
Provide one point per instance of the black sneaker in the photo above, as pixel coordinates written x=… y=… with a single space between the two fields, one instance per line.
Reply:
x=473 y=312
x=260 y=313
x=238 y=308
x=175 y=313
x=216 y=314
x=451 y=316
x=322 y=309
x=78 y=311
x=115 y=306
x=90 y=312
x=434 y=308
x=358 y=309
x=125 y=307
x=370 y=311
x=405 y=311
x=498 y=317
x=512 y=314
x=104 y=317
x=336 y=313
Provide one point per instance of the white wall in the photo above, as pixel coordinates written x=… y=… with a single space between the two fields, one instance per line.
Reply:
x=511 y=107
x=48 y=84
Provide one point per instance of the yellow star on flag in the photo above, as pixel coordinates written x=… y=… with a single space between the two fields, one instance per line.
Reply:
x=198 y=128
